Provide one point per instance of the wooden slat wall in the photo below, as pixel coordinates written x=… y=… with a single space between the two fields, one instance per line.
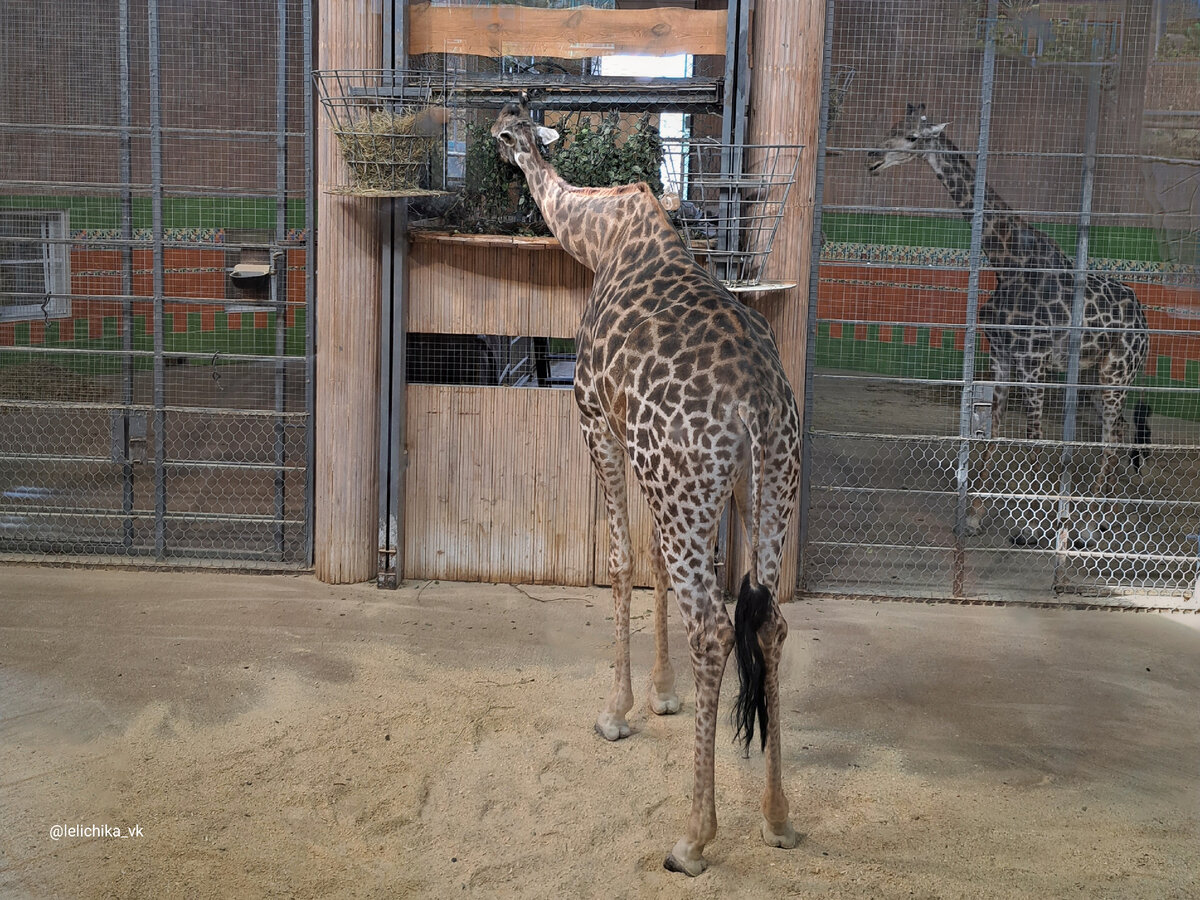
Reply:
x=458 y=287
x=500 y=487
x=564 y=33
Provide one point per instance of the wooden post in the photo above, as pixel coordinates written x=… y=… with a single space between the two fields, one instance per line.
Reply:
x=785 y=108
x=346 y=493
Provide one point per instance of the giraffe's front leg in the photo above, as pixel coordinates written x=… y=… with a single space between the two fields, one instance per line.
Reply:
x=710 y=635
x=608 y=457
x=661 y=697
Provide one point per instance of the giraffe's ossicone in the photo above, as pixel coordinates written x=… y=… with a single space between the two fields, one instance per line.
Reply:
x=676 y=375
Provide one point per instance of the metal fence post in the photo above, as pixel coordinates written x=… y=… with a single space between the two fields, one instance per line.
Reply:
x=969 y=338
x=1075 y=335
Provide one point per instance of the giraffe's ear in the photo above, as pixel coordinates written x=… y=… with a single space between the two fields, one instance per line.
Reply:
x=547 y=135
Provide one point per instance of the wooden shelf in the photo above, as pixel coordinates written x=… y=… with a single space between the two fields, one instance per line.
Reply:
x=520 y=242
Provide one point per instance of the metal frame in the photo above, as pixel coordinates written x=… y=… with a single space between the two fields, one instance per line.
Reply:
x=146 y=534
x=1131 y=568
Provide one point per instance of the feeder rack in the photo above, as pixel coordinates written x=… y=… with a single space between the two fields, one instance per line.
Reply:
x=731 y=200
x=390 y=128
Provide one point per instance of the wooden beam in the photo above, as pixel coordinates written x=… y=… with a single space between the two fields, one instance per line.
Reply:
x=788 y=44
x=346 y=494
x=564 y=33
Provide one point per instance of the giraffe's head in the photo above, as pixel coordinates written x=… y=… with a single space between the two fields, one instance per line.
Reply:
x=909 y=138
x=518 y=135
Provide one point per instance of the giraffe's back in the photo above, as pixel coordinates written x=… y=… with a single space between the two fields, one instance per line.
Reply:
x=681 y=367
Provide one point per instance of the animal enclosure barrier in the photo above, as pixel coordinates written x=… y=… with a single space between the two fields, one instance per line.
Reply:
x=499 y=485
x=1004 y=349
x=154 y=247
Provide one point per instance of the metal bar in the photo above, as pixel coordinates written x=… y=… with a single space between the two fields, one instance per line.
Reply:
x=279 y=267
x=126 y=175
x=91 y=513
x=156 y=215
x=393 y=312
x=975 y=261
x=117 y=131
x=389 y=85
x=814 y=285
x=310 y=282
x=569 y=92
x=1075 y=334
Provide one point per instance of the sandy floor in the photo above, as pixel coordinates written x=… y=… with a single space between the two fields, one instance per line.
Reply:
x=272 y=736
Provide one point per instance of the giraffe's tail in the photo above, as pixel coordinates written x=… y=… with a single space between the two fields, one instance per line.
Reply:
x=753 y=610
x=1141 y=434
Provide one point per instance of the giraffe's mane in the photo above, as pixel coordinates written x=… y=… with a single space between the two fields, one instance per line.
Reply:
x=617 y=190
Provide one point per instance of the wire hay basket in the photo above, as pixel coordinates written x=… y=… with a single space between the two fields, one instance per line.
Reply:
x=728 y=200
x=390 y=128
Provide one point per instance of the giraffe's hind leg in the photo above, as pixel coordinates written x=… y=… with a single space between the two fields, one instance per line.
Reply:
x=710 y=640
x=777 y=503
x=661 y=697
x=976 y=510
x=687 y=520
x=608 y=458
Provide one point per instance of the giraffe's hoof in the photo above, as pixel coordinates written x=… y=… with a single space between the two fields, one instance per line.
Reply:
x=612 y=728
x=679 y=861
x=786 y=839
x=663 y=704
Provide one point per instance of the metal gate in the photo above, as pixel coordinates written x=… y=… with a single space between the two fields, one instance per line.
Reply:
x=154 y=238
x=1011 y=199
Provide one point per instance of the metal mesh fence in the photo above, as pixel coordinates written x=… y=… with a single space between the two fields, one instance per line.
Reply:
x=1006 y=355
x=153 y=349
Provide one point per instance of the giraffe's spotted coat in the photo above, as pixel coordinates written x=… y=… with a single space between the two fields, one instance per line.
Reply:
x=676 y=374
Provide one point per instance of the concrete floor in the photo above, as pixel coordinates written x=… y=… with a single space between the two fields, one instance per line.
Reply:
x=930 y=750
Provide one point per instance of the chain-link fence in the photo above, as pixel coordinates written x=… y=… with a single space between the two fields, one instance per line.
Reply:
x=153 y=235
x=1006 y=355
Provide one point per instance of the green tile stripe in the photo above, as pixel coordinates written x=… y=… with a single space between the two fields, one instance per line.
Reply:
x=104 y=213
x=247 y=340
x=1104 y=241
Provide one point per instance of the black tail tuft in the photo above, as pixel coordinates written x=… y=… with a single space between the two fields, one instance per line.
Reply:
x=1141 y=434
x=753 y=608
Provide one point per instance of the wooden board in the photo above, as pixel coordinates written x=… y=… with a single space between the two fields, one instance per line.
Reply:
x=564 y=33
x=484 y=287
x=499 y=486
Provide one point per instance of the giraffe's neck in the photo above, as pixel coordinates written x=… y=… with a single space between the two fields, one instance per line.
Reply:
x=591 y=223
x=1004 y=232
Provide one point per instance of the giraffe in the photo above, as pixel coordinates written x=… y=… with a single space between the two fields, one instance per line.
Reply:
x=1027 y=319
x=678 y=376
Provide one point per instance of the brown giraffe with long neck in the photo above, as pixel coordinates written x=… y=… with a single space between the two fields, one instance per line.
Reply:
x=1027 y=319
x=674 y=372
